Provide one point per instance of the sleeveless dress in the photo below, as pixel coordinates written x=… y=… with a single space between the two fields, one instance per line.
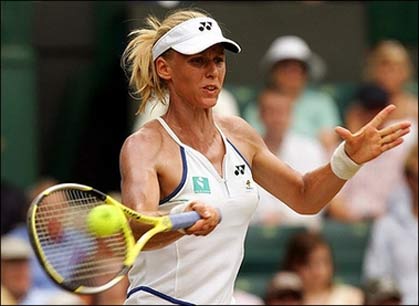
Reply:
x=200 y=269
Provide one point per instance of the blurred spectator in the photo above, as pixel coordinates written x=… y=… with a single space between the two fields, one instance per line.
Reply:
x=40 y=282
x=368 y=101
x=242 y=297
x=41 y=185
x=389 y=66
x=285 y=288
x=39 y=277
x=298 y=151
x=15 y=271
x=13 y=202
x=6 y=297
x=16 y=277
x=288 y=64
x=14 y=205
x=393 y=248
x=364 y=197
x=309 y=255
x=382 y=291
x=226 y=104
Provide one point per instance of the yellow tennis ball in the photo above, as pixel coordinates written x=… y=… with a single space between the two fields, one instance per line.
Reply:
x=105 y=220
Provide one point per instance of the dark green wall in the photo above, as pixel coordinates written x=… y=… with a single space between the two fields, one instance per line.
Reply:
x=19 y=163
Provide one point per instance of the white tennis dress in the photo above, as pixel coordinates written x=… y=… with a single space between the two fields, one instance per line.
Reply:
x=200 y=269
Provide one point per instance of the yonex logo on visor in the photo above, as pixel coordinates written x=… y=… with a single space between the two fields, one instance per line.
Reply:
x=205 y=25
x=193 y=36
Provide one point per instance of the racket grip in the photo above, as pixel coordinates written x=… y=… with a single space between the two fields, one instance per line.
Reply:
x=184 y=220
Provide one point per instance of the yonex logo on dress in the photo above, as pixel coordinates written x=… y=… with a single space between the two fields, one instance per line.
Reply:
x=205 y=25
x=239 y=170
x=200 y=184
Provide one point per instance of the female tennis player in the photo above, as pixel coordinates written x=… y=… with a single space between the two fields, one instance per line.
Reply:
x=189 y=159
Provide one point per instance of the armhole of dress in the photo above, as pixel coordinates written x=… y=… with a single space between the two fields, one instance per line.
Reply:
x=182 y=181
x=184 y=163
x=238 y=152
x=227 y=141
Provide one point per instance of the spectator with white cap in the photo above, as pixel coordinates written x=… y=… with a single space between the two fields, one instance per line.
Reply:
x=382 y=291
x=15 y=269
x=289 y=63
x=16 y=276
x=285 y=288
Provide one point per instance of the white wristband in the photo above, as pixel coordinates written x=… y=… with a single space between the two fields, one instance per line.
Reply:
x=342 y=165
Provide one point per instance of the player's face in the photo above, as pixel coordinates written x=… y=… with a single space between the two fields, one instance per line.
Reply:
x=197 y=79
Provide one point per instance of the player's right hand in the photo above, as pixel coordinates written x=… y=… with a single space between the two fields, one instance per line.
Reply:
x=210 y=218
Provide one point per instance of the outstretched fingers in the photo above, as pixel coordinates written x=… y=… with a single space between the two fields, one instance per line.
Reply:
x=391 y=145
x=395 y=127
x=394 y=135
x=382 y=115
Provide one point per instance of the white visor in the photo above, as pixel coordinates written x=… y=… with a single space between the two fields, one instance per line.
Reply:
x=193 y=36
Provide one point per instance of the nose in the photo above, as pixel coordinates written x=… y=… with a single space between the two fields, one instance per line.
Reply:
x=212 y=70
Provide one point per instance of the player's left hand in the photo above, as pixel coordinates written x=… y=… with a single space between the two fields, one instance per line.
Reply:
x=372 y=140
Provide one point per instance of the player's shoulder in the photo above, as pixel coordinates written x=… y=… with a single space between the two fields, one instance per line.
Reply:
x=231 y=123
x=148 y=138
x=240 y=132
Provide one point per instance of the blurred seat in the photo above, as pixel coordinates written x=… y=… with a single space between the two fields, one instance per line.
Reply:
x=348 y=242
x=265 y=248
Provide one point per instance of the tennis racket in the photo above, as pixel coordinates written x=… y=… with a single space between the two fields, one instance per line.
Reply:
x=74 y=257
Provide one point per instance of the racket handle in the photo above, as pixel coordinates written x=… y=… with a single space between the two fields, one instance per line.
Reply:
x=184 y=220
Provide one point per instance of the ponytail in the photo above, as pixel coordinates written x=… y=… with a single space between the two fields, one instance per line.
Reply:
x=137 y=59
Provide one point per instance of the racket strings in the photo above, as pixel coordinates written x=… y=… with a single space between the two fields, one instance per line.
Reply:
x=76 y=255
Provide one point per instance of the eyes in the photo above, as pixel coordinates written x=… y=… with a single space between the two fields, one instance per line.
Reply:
x=201 y=61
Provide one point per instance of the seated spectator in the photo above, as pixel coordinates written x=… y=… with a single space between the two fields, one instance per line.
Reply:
x=382 y=291
x=285 y=288
x=364 y=197
x=300 y=152
x=14 y=205
x=40 y=278
x=15 y=270
x=310 y=256
x=6 y=297
x=40 y=282
x=242 y=297
x=389 y=66
x=393 y=248
x=16 y=277
x=288 y=63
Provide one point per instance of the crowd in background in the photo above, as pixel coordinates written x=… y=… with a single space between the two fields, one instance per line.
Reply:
x=297 y=123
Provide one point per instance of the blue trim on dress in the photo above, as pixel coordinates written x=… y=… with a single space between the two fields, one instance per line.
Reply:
x=159 y=294
x=182 y=181
x=238 y=152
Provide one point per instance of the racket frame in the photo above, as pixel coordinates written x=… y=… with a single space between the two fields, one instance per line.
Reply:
x=133 y=248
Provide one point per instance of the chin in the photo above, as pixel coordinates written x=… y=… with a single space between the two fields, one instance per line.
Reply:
x=209 y=102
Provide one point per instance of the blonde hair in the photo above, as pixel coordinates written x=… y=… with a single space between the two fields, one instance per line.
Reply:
x=391 y=51
x=137 y=59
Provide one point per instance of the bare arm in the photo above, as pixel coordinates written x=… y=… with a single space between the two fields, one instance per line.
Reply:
x=306 y=194
x=309 y=193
